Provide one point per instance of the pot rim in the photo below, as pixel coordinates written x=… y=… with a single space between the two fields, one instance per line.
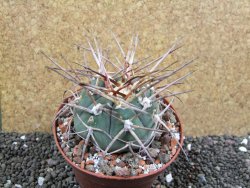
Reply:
x=158 y=171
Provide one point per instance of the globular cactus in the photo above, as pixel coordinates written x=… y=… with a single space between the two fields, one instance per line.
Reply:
x=122 y=110
x=121 y=127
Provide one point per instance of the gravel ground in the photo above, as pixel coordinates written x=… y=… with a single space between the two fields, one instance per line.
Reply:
x=216 y=161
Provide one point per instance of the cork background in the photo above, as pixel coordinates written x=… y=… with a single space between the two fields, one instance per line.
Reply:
x=218 y=32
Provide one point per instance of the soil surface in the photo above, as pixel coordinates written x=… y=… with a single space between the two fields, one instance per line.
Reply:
x=32 y=160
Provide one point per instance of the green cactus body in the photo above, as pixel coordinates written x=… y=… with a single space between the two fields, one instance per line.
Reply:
x=110 y=124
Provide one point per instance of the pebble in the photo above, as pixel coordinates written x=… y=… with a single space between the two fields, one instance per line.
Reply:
x=40 y=181
x=78 y=160
x=25 y=145
x=217 y=168
x=82 y=164
x=122 y=171
x=243 y=149
x=18 y=186
x=169 y=178
x=52 y=162
x=7 y=184
x=189 y=147
x=202 y=179
x=90 y=168
x=142 y=162
x=153 y=152
x=121 y=164
x=23 y=137
x=164 y=157
x=244 y=141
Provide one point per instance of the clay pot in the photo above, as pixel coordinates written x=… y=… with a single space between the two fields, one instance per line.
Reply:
x=88 y=179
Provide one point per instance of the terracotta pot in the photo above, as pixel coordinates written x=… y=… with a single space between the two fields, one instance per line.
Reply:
x=88 y=179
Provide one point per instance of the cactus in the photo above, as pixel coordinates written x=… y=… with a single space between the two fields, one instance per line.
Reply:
x=122 y=110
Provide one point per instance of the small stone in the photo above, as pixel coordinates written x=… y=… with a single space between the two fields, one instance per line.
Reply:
x=202 y=179
x=164 y=157
x=248 y=162
x=117 y=160
x=105 y=168
x=176 y=136
x=107 y=157
x=112 y=163
x=81 y=143
x=63 y=128
x=171 y=116
x=153 y=152
x=86 y=155
x=142 y=162
x=66 y=149
x=71 y=143
x=3 y=166
x=63 y=145
x=139 y=171
x=92 y=150
x=173 y=142
x=169 y=178
x=82 y=164
x=217 y=168
x=49 y=169
x=133 y=172
x=90 y=168
x=65 y=137
x=7 y=184
x=40 y=181
x=69 y=154
x=114 y=156
x=244 y=141
x=77 y=159
x=127 y=156
x=23 y=137
x=52 y=162
x=77 y=150
x=18 y=186
x=121 y=164
x=90 y=162
x=151 y=167
x=157 y=161
x=243 y=149
x=122 y=171
x=189 y=147
x=165 y=139
x=156 y=144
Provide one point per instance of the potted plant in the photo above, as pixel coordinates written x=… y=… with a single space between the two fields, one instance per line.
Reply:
x=119 y=129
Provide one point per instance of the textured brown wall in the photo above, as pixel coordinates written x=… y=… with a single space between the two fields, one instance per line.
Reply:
x=216 y=31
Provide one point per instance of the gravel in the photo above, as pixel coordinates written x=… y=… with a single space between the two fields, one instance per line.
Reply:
x=214 y=161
